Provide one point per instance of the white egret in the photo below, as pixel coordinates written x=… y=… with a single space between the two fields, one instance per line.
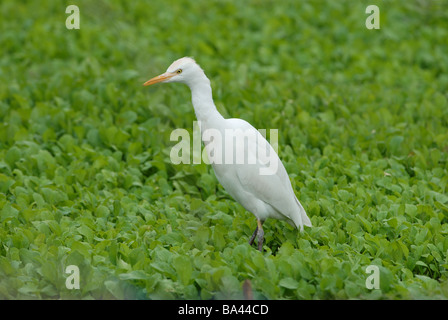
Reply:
x=265 y=194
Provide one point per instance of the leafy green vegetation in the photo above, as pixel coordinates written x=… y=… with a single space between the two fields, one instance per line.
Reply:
x=85 y=174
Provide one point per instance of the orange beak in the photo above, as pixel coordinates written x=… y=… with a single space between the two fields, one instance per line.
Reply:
x=160 y=78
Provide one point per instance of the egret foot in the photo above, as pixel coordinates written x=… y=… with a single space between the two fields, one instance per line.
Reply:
x=251 y=240
x=260 y=235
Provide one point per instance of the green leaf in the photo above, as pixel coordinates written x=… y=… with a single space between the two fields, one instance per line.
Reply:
x=12 y=156
x=114 y=287
x=8 y=212
x=5 y=183
x=183 y=268
x=201 y=237
x=288 y=283
x=395 y=144
x=421 y=263
x=134 y=275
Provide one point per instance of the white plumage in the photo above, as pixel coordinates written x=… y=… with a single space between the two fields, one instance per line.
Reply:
x=260 y=183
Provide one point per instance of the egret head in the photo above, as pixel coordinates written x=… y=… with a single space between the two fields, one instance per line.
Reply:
x=183 y=70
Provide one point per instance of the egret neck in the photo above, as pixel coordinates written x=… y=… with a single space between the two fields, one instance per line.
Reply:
x=202 y=98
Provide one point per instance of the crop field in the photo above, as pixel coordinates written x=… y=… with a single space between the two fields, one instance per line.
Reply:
x=86 y=179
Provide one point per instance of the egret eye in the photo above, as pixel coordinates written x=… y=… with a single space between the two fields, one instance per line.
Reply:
x=179 y=71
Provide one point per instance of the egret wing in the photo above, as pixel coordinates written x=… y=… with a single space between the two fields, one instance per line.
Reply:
x=267 y=179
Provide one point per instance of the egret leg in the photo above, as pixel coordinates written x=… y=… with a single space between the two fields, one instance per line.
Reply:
x=251 y=240
x=260 y=235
